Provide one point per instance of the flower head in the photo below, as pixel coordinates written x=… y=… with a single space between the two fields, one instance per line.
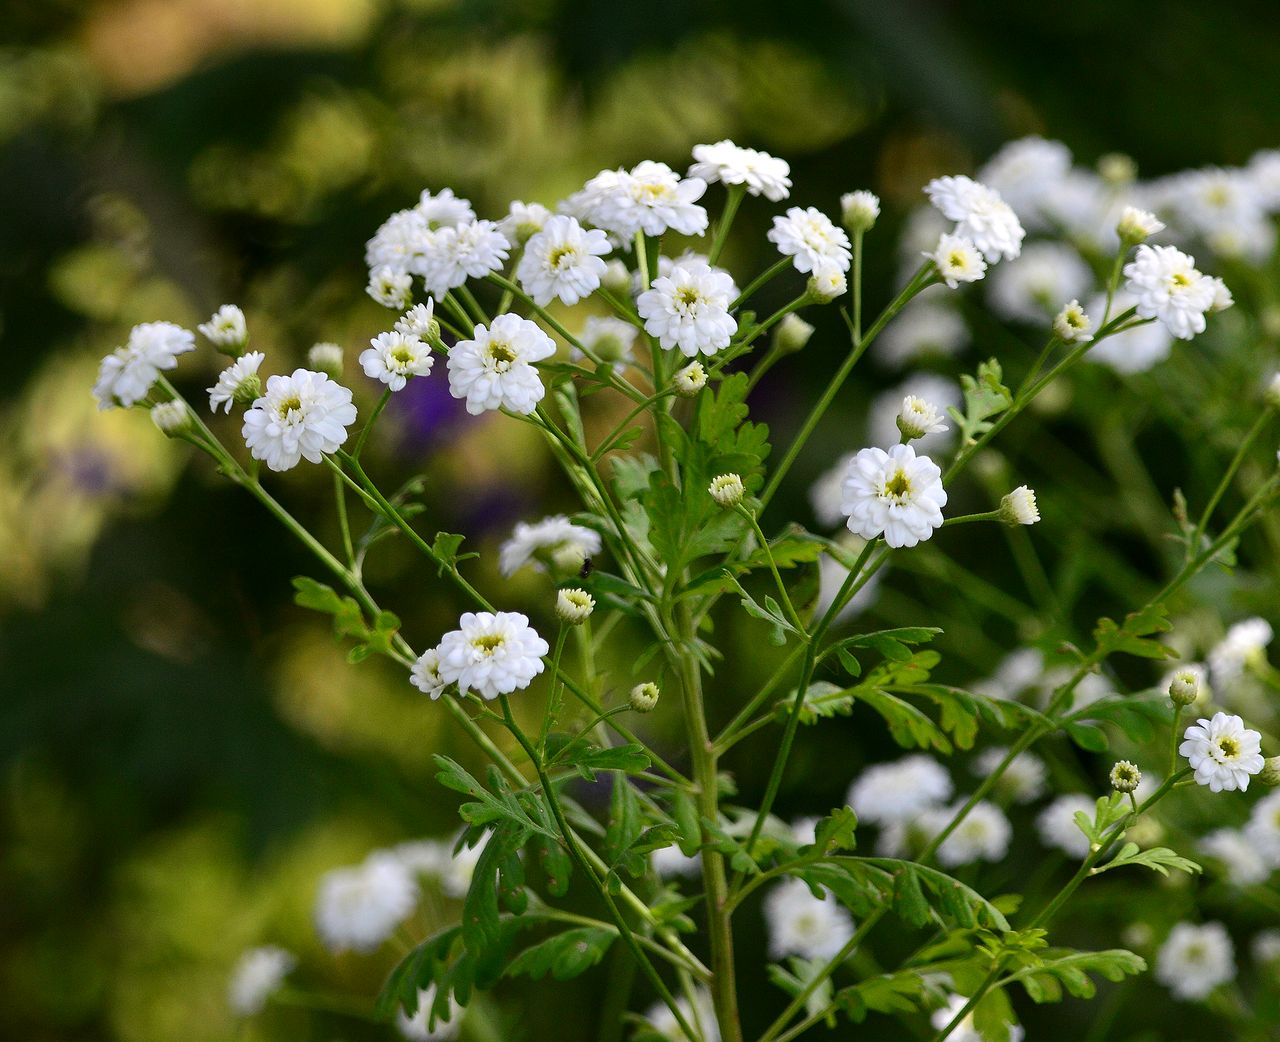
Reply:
x=644 y=697
x=1169 y=288
x=425 y=675
x=1195 y=960
x=827 y=282
x=1072 y=325
x=470 y=250
x=327 y=358
x=420 y=321
x=239 y=382
x=690 y=380
x=554 y=542
x=226 y=329
x=899 y=791
x=982 y=835
x=126 y=375
x=859 y=210
x=609 y=339
x=1023 y=780
x=792 y=334
x=1125 y=776
x=495 y=369
x=918 y=418
x=1222 y=752
x=980 y=214
x=811 y=239
x=300 y=416
x=1184 y=686
x=172 y=417
x=359 y=907
x=801 y=924
x=689 y=309
x=650 y=198
x=1135 y=225
x=491 y=653
x=726 y=490
x=661 y=1020
x=562 y=260
x=574 y=606
x=394 y=357
x=895 y=494
x=957 y=260
x=257 y=975
x=1242 y=859
x=389 y=287
x=523 y=221
x=1019 y=507
x=759 y=172
x=924 y=328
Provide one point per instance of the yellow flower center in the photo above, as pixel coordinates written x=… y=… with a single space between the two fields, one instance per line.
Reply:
x=289 y=405
x=1229 y=748
x=899 y=486
x=501 y=355
x=489 y=644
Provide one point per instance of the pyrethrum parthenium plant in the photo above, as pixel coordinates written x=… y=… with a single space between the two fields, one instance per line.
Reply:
x=665 y=538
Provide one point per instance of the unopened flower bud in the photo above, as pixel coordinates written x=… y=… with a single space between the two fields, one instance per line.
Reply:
x=616 y=278
x=791 y=334
x=172 y=418
x=420 y=321
x=327 y=359
x=1117 y=169
x=574 y=606
x=1184 y=687
x=690 y=380
x=727 y=490
x=1125 y=776
x=1270 y=773
x=248 y=390
x=859 y=210
x=1136 y=225
x=826 y=284
x=226 y=330
x=1222 y=298
x=918 y=418
x=644 y=697
x=1072 y=324
x=1019 y=507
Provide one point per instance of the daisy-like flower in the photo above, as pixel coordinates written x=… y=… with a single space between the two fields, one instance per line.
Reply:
x=1222 y=752
x=239 y=382
x=1195 y=960
x=495 y=369
x=761 y=173
x=923 y=329
x=400 y=244
x=957 y=260
x=1025 y=173
x=300 y=417
x=256 y=977
x=574 y=606
x=1263 y=828
x=690 y=380
x=1057 y=824
x=689 y=309
x=1032 y=287
x=1238 y=855
x=900 y=790
x=425 y=675
x=859 y=210
x=609 y=339
x=492 y=653
x=1072 y=325
x=882 y=416
x=1169 y=288
x=661 y=1020
x=1135 y=225
x=1245 y=644
x=895 y=494
x=983 y=835
x=562 y=260
x=394 y=357
x=443 y=209
x=918 y=418
x=1135 y=350
x=727 y=490
x=420 y=321
x=554 y=543
x=467 y=251
x=126 y=375
x=811 y=239
x=226 y=329
x=655 y=200
x=980 y=214
x=966 y=1030
x=422 y=1028
x=523 y=220
x=1024 y=779
x=358 y=908
x=804 y=925
x=389 y=287
x=826 y=283
x=1019 y=507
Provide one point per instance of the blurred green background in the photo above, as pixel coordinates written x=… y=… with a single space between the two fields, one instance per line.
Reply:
x=182 y=751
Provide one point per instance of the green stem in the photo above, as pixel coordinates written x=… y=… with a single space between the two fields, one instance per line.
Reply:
x=773 y=568
x=1241 y=452
x=373 y=416
x=731 y=203
x=775 y=269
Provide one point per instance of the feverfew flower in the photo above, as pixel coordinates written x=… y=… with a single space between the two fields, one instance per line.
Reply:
x=300 y=416
x=257 y=975
x=359 y=907
x=1026 y=173
x=425 y=675
x=759 y=172
x=226 y=329
x=804 y=925
x=609 y=339
x=171 y=418
x=827 y=283
x=690 y=380
x=661 y=1020
x=1072 y=325
x=918 y=418
x=895 y=494
x=1169 y=288
x=562 y=260
x=468 y=251
x=1032 y=287
x=394 y=357
x=957 y=260
x=125 y=376
x=1024 y=779
x=980 y=214
x=400 y=244
x=924 y=328
x=1195 y=960
x=809 y=236
x=859 y=210
x=650 y=198
x=554 y=542
x=1245 y=644
x=389 y=287
x=1242 y=859
x=420 y=321
x=443 y=210
x=726 y=490
x=899 y=791
x=492 y=653
x=326 y=358
x=882 y=415
x=1057 y=824
x=983 y=835
x=1223 y=752
x=523 y=220
x=1019 y=507
x=1263 y=828
x=1135 y=225
x=418 y=1028
x=495 y=369
x=574 y=606
x=237 y=383
x=689 y=309
x=966 y=1031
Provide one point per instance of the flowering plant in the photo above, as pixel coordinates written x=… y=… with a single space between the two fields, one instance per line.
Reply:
x=667 y=540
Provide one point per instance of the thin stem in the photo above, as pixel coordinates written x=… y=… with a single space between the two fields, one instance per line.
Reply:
x=773 y=567
x=1241 y=452
x=368 y=426
x=857 y=284
x=553 y=698
x=731 y=203
x=340 y=499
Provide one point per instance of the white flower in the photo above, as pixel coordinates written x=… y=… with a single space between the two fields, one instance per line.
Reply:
x=899 y=791
x=1263 y=170
x=554 y=541
x=1024 y=779
x=467 y=251
x=171 y=418
x=300 y=416
x=562 y=260
x=702 y=1020
x=238 y=382
x=1223 y=752
x=810 y=237
x=761 y=173
x=1266 y=946
x=425 y=675
x=918 y=418
x=882 y=416
x=1169 y=288
x=1019 y=507
x=957 y=260
x=1191 y=678
x=1031 y=288
x=924 y=328
x=126 y=375
x=495 y=369
x=256 y=977
x=399 y=245
x=359 y=907
x=1072 y=325
x=895 y=494
x=1057 y=824
x=419 y=321
x=443 y=209
x=1017 y=672
x=389 y=287
x=689 y=309
x=827 y=283
x=574 y=606
x=523 y=220
x=1242 y=859
x=1135 y=350
x=418 y=1028
x=689 y=259
x=491 y=653
x=966 y=1031
x=726 y=490
x=1135 y=224
x=1222 y=298
x=983 y=835
x=672 y=861
x=859 y=210
x=326 y=358
x=1195 y=960
x=980 y=214
x=690 y=380
x=1263 y=828
x=804 y=925
x=1025 y=173
x=650 y=198
x=394 y=357
x=609 y=339
x=436 y=860
x=226 y=328
x=793 y=333
x=1245 y=644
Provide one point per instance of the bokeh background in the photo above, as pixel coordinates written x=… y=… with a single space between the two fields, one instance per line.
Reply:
x=182 y=751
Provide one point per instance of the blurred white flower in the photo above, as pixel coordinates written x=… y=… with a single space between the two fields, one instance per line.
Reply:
x=359 y=907
x=1195 y=959
x=256 y=977
x=761 y=173
x=804 y=925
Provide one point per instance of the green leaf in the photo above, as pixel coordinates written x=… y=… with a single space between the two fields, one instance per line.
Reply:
x=688 y=829
x=837 y=831
x=555 y=863
x=625 y=824
x=955 y=901
x=1088 y=736
x=1058 y=969
x=1131 y=636
x=908 y=726
x=901 y=992
x=586 y=758
x=564 y=956
x=1158 y=859
x=488 y=807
